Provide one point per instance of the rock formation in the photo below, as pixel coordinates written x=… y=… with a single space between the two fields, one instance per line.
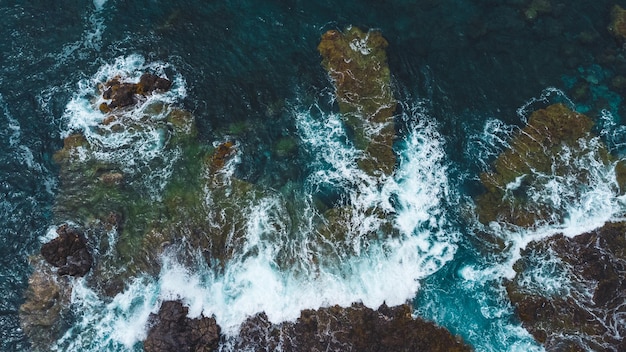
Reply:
x=355 y=328
x=172 y=331
x=357 y=64
x=45 y=312
x=581 y=307
x=123 y=94
x=547 y=147
x=68 y=252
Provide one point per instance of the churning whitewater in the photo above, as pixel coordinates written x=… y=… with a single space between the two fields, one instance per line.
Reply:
x=359 y=268
x=236 y=176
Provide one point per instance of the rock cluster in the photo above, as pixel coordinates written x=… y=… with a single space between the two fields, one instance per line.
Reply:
x=68 y=252
x=173 y=331
x=583 y=309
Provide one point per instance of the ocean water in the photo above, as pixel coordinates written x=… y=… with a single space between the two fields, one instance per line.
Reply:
x=467 y=74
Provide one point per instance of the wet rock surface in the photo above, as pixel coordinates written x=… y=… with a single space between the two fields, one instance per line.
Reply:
x=555 y=143
x=356 y=328
x=44 y=315
x=68 y=252
x=123 y=94
x=356 y=62
x=173 y=331
x=582 y=306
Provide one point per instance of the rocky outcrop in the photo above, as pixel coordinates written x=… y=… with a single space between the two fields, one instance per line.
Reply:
x=570 y=292
x=356 y=328
x=546 y=148
x=68 y=252
x=357 y=64
x=123 y=94
x=173 y=331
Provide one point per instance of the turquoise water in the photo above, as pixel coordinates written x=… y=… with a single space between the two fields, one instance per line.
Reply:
x=461 y=72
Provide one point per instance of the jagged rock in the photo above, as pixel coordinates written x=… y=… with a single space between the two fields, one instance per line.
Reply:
x=357 y=64
x=43 y=316
x=68 y=252
x=617 y=27
x=356 y=328
x=583 y=306
x=122 y=94
x=173 y=331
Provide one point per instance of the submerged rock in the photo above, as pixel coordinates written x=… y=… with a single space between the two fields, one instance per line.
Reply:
x=617 y=27
x=172 y=331
x=570 y=292
x=556 y=143
x=356 y=328
x=68 y=252
x=357 y=64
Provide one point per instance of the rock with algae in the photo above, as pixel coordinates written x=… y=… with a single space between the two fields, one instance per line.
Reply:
x=45 y=312
x=556 y=143
x=357 y=64
x=578 y=305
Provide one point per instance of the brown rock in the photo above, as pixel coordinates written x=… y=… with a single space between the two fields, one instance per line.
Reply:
x=356 y=328
x=68 y=252
x=173 y=331
x=581 y=313
x=124 y=94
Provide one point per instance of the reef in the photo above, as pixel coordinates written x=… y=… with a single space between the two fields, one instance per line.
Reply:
x=556 y=142
x=357 y=64
x=581 y=308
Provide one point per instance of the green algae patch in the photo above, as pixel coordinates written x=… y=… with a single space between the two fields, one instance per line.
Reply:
x=556 y=143
x=356 y=62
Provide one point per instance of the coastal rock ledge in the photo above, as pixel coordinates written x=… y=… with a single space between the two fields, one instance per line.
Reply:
x=356 y=328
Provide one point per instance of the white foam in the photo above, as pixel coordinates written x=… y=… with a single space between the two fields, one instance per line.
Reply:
x=109 y=325
x=99 y=4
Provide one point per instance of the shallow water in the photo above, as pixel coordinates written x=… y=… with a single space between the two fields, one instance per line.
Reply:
x=466 y=74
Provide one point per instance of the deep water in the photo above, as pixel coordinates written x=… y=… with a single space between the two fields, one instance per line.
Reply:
x=251 y=70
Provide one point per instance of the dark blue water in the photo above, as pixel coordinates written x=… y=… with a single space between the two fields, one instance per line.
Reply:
x=464 y=62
